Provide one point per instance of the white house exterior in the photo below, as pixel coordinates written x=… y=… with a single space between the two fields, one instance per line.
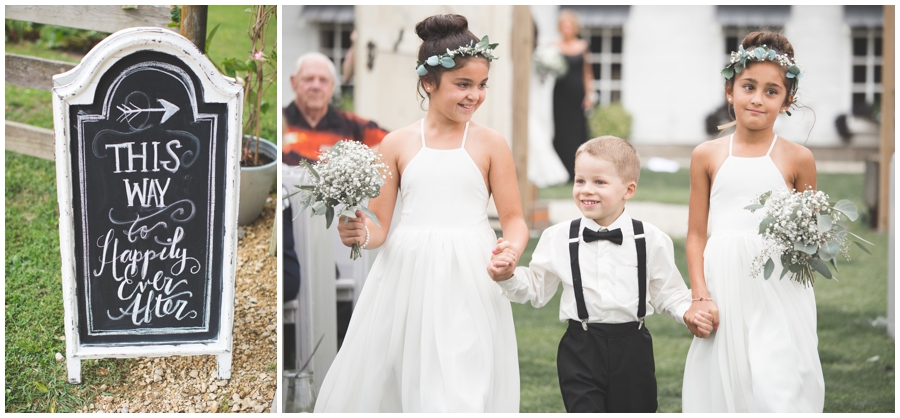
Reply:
x=661 y=62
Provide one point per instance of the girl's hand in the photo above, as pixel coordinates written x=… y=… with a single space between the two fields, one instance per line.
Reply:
x=707 y=307
x=503 y=261
x=703 y=324
x=354 y=231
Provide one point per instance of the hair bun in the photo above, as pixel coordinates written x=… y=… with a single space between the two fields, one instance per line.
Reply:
x=439 y=26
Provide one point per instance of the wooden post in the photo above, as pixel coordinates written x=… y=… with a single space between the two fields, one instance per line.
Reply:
x=193 y=25
x=522 y=46
x=887 y=119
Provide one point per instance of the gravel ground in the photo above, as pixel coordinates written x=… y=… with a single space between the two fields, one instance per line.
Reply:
x=190 y=384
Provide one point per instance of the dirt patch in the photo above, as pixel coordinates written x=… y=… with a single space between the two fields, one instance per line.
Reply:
x=190 y=384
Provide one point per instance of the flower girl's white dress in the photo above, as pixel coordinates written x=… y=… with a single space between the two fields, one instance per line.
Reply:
x=430 y=332
x=763 y=358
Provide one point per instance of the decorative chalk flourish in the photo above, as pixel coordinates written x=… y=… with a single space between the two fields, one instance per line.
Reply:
x=130 y=111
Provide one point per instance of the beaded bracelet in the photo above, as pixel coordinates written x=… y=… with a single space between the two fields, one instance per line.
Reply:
x=701 y=299
x=367 y=238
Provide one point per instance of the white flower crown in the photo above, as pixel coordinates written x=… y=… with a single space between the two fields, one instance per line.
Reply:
x=483 y=47
x=740 y=57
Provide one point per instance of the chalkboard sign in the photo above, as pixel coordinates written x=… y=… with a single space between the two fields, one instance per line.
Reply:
x=147 y=146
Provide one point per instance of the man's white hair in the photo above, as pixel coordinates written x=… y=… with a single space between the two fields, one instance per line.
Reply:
x=318 y=56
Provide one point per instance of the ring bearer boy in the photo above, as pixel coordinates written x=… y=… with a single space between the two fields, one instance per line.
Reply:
x=615 y=270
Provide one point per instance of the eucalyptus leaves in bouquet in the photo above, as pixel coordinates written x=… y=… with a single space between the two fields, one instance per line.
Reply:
x=344 y=177
x=801 y=229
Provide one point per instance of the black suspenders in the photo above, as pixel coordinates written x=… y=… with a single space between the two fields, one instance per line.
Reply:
x=641 y=247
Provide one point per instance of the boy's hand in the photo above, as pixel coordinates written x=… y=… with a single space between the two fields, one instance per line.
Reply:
x=503 y=262
x=702 y=324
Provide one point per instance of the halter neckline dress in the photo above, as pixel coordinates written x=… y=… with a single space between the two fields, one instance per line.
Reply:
x=430 y=332
x=763 y=357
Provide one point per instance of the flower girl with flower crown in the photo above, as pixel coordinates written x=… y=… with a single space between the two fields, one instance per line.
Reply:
x=430 y=332
x=763 y=356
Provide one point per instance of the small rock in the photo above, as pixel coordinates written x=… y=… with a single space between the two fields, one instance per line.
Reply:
x=222 y=383
x=59 y=357
x=195 y=374
x=235 y=397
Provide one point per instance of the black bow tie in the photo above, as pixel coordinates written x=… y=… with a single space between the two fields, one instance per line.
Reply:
x=614 y=236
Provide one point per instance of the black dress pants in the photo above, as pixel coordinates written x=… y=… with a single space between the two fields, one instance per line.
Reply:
x=608 y=368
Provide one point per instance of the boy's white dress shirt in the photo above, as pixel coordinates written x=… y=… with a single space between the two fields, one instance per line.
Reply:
x=608 y=274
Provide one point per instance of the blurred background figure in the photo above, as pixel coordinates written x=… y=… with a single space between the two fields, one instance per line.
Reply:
x=544 y=166
x=571 y=95
x=311 y=123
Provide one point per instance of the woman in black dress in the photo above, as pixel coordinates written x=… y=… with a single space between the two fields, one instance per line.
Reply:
x=571 y=95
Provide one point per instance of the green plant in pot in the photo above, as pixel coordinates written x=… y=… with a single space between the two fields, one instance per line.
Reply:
x=258 y=72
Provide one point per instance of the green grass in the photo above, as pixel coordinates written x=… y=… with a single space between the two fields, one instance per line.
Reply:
x=35 y=382
x=671 y=188
x=845 y=309
x=675 y=188
x=232 y=41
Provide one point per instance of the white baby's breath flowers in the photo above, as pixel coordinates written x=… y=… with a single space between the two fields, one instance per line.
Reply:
x=345 y=176
x=801 y=230
x=548 y=61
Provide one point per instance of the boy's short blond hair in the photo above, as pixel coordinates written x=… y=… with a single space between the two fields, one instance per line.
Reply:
x=617 y=151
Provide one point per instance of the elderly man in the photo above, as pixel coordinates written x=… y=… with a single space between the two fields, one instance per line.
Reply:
x=311 y=124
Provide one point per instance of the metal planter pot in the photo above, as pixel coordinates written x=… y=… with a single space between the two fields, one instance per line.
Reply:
x=256 y=183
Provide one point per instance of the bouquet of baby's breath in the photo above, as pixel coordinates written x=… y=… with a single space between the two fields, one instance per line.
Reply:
x=548 y=61
x=345 y=176
x=801 y=228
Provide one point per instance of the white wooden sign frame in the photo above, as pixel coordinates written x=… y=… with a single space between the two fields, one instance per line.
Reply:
x=78 y=87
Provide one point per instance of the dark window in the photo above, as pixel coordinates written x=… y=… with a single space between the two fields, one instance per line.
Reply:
x=877 y=100
x=877 y=74
x=345 y=38
x=860 y=108
x=596 y=69
x=616 y=72
x=596 y=44
x=859 y=47
x=731 y=44
x=327 y=38
x=878 y=47
x=617 y=44
x=615 y=96
x=859 y=73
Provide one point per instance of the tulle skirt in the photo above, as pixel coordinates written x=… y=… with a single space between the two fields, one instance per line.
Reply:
x=763 y=357
x=430 y=332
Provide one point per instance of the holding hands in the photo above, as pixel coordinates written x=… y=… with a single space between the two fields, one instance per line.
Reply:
x=702 y=318
x=503 y=261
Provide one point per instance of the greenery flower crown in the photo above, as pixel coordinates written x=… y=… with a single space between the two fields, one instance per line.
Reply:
x=762 y=53
x=483 y=47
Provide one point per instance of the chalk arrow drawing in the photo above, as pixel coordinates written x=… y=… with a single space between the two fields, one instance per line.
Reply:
x=130 y=111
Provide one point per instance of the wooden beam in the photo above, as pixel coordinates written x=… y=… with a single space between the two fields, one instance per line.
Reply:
x=193 y=25
x=100 y=18
x=33 y=72
x=522 y=46
x=30 y=140
x=886 y=182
